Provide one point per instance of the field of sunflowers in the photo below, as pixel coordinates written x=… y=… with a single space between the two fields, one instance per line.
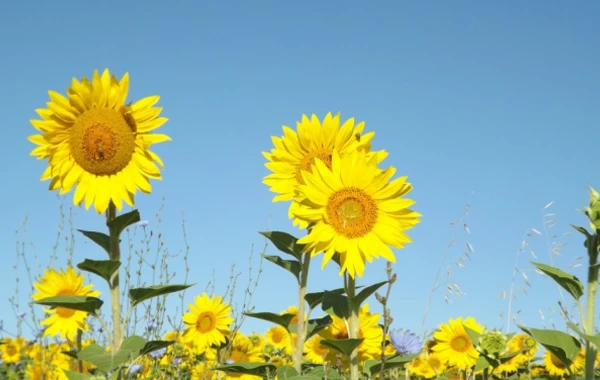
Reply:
x=353 y=209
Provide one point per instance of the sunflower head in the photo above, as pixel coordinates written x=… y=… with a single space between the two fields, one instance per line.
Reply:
x=95 y=142
x=454 y=344
x=207 y=322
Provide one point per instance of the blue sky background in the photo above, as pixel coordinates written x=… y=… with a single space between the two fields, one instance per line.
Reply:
x=492 y=103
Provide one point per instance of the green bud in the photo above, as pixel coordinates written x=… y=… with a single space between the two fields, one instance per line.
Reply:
x=493 y=343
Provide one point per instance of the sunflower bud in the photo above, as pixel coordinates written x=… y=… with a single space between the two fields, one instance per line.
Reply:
x=493 y=344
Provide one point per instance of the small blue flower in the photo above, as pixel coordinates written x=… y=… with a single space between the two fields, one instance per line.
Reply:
x=405 y=342
x=135 y=369
x=157 y=354
x=177 y=361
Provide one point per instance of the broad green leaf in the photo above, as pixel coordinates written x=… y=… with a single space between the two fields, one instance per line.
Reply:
x=285 y=242
x=257 y=369
x=76 y=375
x=303 y=377
x=564 y=346
x=82 y=303
x=345 y=346
x=154 y=345
x=117 y=375
x=367 y=292
x=138 y=295
x=291 y=266
x=569 y=282
x=594 y=339
x=123 y=221
x=319 y=371
x=582 y=230
x=315 y=299
x=102 y=268
x=103 y=240
x=72 y=353
x=105 y=361
x=473 y=335
x=280 y=319
x=285 y=372
x=336 y=304
x=484 y=362
x=392 y=362
x=313 y=326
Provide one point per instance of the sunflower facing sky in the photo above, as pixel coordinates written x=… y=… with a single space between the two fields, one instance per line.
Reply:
x=355 y=210
x=62 y=321
x=454 y=345
x=95 y=142
x=207 y=322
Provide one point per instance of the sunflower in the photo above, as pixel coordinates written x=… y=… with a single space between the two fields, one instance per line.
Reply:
x=313 y=351
x=432 y=366
x=92 y=139
x=12 y=349
x=354 y=210
x=241 y=351
x=454 y=345
x=279 y=338
x=207 y=322
x=62 y=321
x=528 y=344
x=556 y=367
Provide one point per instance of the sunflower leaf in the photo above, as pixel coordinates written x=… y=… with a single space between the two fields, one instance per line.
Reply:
x=304 y=377
x=103 y=240
x=473 y=335
x=257 y=369
x=154 y=345
x=102 y=268
x=106 y=361
x=282 y=320
x=345 y=346
x=483 y=362
x=121 y=222
x=367 y=292
x=319 y=371
x=390 y=363
x=139 y=295
x=564 y=346
x=286 y=372
x=594 y=339
x=76 y=375
x=82 y=303
x=313 y=326
x=336 y=304
x=569 y=282
x=285 y=242
x=292 y=266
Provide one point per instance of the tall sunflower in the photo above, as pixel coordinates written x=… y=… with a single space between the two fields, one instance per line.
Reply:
x=207 y=322
x=96 y=142
x=63 y=321
x=355 y=210
x=454 y=345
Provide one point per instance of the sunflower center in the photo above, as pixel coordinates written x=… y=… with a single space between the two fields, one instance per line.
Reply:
x=238 y=356
x=460 y=343
x=206 y=322
x=435 y=363
x=102 y=141
x=63 y=312
x=309 y=160
x=11 y=350
x=277 y=336
x=351 y=212
x=556 y=361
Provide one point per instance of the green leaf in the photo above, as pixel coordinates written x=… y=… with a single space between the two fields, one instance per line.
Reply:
x=280 y=319
x=367 y=292
x=154 y=345
x=105 y=361
x=303 y=377
x=285 y=242
x=103 y=240
x=138 y=295
x=336 y=304
x=569 y=282
x=291 y=266
x=123 y=221
x=345 y=346
x=392 y=362
x=117 y=375
x=257 y=369
x=473 y=335
x=76 y=375
x=484 y=362
x=285 y=372
x=315 y=299
x=72 y=353
x=582 y=230
x=313 y=326
x=102 y=268
x=594 y=339
x=319 y=371
x=564 y=346
x=82 y=303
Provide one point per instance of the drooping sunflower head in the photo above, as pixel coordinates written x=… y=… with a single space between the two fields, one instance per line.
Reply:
x=62 y=321
x=207 y=322
x=95 y=142
x=454 y=344
x=355 y=210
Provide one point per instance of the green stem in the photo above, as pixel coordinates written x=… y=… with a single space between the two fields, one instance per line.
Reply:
x=115 y=297
x=79 y=338
x=353 y=324
x=300 y=316
x=590 y=351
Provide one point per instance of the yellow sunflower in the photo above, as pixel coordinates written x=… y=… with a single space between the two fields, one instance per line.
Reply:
x=454 y=345
x=528 y=344
x=432 y=366
x=354 y=210
x=241 y=351
x=207 y=322
x=92 y=139
x=555 y=367
x=279 y=338
x=313 y=351
x=12 y=349
x=62 y=321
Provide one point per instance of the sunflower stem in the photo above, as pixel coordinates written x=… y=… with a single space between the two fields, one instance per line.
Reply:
x=115 y=297
x=353 y=323
x=301 y=333
x=590 y=351
x=79 y=362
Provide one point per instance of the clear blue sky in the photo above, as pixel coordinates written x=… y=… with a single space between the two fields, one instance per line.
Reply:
x=492 y=103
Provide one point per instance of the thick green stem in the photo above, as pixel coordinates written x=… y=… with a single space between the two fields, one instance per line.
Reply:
x=590 y=351
x=79 y=338
x=353 y=324
x=115 y=296
x=301 y=333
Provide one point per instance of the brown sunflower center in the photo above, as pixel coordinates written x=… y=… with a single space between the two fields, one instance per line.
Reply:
x=435 y=363
x=206 y=322
x=351 y=212
x=556 y=362
x=460 y=343
x=11 y=349
x=63 y=312
x=239 y=356
x=277 y=336
x=102 y=141
x=309 y=160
